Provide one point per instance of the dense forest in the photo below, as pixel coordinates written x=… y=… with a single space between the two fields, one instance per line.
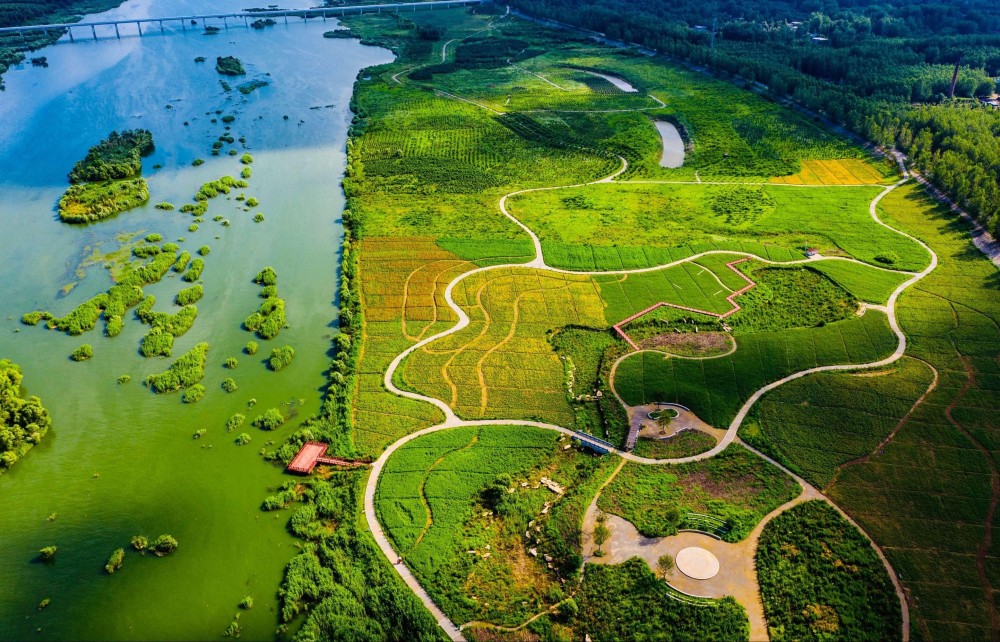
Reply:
x=881 y=68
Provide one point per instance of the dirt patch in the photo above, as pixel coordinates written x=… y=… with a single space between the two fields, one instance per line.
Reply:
x=689 y=344
x=736 y=489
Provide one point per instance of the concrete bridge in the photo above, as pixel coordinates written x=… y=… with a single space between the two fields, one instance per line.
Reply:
x=238 y=18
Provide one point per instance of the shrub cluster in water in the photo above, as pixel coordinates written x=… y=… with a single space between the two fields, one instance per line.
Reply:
x=281 y=357
x=188 y=370
x=93 y=201
x=270 y=318
x=229 y=66
x=23 y=422
x=117 y=156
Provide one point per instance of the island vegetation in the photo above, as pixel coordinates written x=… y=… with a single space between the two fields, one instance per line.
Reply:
x=187 y=371
x=229 y=66
x=108 y=180
x=23 y=420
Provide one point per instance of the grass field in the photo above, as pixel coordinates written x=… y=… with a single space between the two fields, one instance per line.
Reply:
x=816 y=424
x=715 y=388
x=735 y=486
x=457 y=504
x=925 y=499
x=846 y=171
x=679 y=220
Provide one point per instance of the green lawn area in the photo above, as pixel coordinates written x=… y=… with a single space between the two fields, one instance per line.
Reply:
x=668 y=221
x=817 y=423
x=735 y=486
x=715 y=388
x=869 y=284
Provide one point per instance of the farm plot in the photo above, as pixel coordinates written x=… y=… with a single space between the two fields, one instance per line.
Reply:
x=925 y=498
x=501 y=365
x=457 y=505
x=402 y=286
x=846 y=171
x=715 y=388
x=627 y=602
x=816 y=424
x=820 y=579
x=736 y=487
x=670 y=221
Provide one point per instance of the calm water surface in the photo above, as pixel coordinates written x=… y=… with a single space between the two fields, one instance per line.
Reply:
x=119 y=460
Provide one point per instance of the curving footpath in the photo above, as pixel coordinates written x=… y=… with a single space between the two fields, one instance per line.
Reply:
x=453 y=421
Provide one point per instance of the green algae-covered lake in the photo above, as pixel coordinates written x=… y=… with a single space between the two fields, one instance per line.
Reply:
x=119 y=460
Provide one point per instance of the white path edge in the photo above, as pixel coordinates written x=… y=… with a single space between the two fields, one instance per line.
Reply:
x=538 y=263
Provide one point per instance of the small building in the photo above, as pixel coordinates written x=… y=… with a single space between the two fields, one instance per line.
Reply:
x=811 y=252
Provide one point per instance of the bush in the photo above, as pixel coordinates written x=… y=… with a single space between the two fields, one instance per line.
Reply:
x=124 y=378
x=194 y=272
x=204 y=250
x=235 y=422
x=48 y=553
x=140 y=543
x=91 y=202
x=246 y=603
x=270 y=420
x=165 y=206
x=198 y=161
x=115 y=561
x=251 y=347
x=258 y=217
x=194 y=394
x=186 y=371
x=82 y=353
x=246 y=158
x=118 y=156
x=267 y=276
x=281 y=357
x=190 y=295
x=252 y=202
x=154 y=238
x=231 y=363
x=229 y=66
x=229 y=384
x=243 y=439
x=164 y=545
x=33 y=318
x=246 y=173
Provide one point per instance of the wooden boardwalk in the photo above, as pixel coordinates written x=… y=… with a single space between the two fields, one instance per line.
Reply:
x=313 y=453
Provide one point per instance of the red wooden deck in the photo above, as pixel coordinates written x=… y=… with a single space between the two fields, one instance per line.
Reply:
x=312 y=453
x=307 y=457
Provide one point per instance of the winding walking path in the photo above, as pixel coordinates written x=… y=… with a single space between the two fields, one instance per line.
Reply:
x=452 y=420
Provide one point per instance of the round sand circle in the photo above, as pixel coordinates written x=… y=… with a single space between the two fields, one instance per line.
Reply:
x=697 y=563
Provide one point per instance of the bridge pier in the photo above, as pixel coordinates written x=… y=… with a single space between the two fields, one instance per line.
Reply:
x=161 y=26
x=93 y=30
x=118 y=35
x=184 y=27
x=286 y=18
x=138 y=26
x=23 y=39
x=69 y=30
